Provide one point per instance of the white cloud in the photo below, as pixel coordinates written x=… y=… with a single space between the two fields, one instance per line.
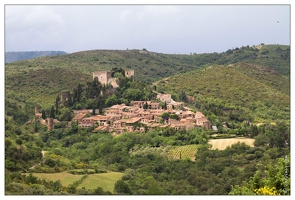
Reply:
x=158 y=11
x=125 y=14
x=40 y=24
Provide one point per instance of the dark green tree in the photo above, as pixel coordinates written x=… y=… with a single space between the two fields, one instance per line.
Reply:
x=145 y=105
x=122 y=188
x=52 y=112
x=183 y=96
x=43 y=114
x=56 y=104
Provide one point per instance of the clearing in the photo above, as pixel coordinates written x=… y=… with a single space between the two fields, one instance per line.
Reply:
x=104 y=180
x=221 y=144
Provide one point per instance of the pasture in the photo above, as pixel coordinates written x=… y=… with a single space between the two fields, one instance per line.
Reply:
x=104 y=180
x=64 y=177
x=221 y=144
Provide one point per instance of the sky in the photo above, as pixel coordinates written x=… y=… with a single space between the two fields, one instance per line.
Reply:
x=172 y=29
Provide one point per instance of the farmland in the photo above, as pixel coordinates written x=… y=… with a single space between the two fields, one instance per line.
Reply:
x=104 y=180
x=222 y=144
x=183 y=152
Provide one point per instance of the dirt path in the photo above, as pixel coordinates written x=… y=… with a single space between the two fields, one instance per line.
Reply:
x=43 y=159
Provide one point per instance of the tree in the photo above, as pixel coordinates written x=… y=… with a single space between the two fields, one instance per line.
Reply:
x=56 y=104
x=52 y=112
x=183 y=96
x=145 y=105
x=43 y=114
x=93 y=110
x=274 y=180
x=122 y=188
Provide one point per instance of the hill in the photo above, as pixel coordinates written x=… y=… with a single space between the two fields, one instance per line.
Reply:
x=41 y=79
x=252 y=87
x=151 y=66
x=25 y=55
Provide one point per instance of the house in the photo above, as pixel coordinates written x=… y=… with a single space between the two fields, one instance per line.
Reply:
x=86 y=122
x=78 y=117
x=111 y=112
x=202 y=121
x=155 y=105
x=100 y=119
x=164 y=97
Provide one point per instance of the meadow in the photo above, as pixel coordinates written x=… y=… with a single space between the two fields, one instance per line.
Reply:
x=222 y=144
x=104 y=180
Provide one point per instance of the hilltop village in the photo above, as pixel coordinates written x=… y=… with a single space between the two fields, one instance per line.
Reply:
x=139 y=116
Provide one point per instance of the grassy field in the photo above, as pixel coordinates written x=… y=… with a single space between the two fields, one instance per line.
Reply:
x=104 y=180
x=221 y=144
x=64 y=177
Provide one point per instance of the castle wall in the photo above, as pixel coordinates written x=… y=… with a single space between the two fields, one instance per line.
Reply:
x=105 y=77
x=129 y=73
x=37 y=109
x=102 y=76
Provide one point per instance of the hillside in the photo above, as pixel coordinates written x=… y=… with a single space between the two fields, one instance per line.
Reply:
x=151 y=66
x=41 y=86
x=25 y=55
x=41 y=79
x=253 y=87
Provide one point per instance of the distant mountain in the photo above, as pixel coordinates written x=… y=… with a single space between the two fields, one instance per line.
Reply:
x=25 y=55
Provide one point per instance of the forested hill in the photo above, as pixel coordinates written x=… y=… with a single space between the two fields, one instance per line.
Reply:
x=151 y=66
x=39 y=80
x=257 y=91
x=25 y=55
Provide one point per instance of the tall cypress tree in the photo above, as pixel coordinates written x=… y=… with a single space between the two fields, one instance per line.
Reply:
x=43 y=114
x=52 y=112
x=56 y=104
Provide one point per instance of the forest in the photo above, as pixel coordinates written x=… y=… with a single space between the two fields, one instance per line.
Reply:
x=70 y=160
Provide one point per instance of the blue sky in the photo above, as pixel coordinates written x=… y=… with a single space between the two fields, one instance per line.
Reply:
x=173 y=29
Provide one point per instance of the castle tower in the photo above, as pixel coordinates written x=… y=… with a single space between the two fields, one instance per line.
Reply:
x=37 y=109
x=102 y=76
x=49 y=124
x=63 y=96
x=129 y=73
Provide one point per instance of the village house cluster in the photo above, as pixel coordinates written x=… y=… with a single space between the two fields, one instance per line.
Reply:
x=139 y=116
x=121 y=118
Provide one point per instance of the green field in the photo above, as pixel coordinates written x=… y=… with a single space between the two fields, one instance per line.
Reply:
x=104 y=180
x=64 y=177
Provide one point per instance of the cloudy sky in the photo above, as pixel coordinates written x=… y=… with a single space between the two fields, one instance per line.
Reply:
x=180 y=29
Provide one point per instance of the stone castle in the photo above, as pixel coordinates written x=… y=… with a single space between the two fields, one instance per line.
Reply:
x=105 y=77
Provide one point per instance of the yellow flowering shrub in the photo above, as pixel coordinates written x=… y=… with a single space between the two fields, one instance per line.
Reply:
x=266 y=191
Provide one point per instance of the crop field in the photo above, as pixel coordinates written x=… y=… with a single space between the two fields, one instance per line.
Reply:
x=183 y=152
x=221 y=144
x=104 y=180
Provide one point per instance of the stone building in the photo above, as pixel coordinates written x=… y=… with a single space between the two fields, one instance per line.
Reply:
x=105 y=77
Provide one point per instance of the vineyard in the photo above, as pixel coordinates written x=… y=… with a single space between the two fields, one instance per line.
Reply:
x=183 y=152
x=172 y=152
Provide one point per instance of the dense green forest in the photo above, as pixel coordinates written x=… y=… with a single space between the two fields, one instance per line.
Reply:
x=244 y=92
